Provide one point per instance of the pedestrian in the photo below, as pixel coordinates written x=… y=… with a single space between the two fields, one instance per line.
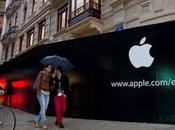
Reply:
x=8 y=93
x=42 y=86
x=60 y=92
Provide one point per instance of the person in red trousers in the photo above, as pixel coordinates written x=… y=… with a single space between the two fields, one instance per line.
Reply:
x=60 y=91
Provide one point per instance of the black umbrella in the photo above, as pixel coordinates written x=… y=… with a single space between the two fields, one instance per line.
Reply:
x=56 y=61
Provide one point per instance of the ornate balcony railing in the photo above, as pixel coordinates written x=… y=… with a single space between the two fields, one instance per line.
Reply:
x=10 y=34
x=89 y=9
x=12 y=7
x=1 y=13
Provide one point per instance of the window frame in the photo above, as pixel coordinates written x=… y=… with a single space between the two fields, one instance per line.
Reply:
x=61 y=11
x=40 y=32
x=79 y=10
x=16 y=19
x=87 y=4
x=34 y=6
x=6 y=53
x=29 y=34
x=25 y=14
x=21 y=43
x=75 y=4
x=12 y=49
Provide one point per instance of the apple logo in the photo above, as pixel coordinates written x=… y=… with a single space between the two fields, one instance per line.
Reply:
x=139 y=55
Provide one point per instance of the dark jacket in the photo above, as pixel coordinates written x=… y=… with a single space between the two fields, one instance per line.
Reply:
x=64 y=81
x=9 y=88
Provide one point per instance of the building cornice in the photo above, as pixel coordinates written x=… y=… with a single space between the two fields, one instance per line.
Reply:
x=114 y=3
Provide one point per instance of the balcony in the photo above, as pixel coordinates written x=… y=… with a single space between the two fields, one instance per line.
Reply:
x=86 y=20
x=12 y=7
x=90 y=9
x=10 y=35
x=1 y=13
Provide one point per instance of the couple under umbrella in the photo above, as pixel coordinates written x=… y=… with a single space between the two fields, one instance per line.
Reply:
x=60 y=83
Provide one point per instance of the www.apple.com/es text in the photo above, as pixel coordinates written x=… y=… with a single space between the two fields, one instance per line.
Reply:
x=144 y=83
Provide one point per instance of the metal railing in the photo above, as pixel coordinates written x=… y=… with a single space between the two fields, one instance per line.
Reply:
x=12 y=29
x=84 y=8
x=1 y=13
x=10 y=6
x=80 y=10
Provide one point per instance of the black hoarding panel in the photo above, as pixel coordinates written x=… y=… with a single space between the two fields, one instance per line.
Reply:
x=122 y=76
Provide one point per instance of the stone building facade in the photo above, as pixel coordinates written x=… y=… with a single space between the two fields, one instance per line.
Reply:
x=2 y=9
x=29 y=23
x=135 y=13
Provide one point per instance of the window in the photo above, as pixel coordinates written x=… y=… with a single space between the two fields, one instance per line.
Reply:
x=30 y=38
x=81 y=9
x=9 y=24
x=6 y=53
x=78 y=6
x=34 y=6
x=44 y=1
x=73 y=6
x=62 y=17
x=21 y=43
x=79 y=3
x=12 y=50
x=16 y=19
x=25 y=12
x=42 y=27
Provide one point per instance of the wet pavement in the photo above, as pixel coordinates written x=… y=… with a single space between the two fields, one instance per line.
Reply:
x=25 y=121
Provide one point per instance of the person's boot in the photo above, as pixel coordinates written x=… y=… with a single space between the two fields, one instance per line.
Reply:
x=37 y=124
x=56 y=123
x=61 y=125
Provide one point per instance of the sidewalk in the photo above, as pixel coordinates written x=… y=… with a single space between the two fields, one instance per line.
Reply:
x=25 y=121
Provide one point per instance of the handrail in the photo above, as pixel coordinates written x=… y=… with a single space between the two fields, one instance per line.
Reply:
x=9 y=7
x=85 y=7
x=12 y=29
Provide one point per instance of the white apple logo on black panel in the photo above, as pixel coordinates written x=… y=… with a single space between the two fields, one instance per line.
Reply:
x=139 y=55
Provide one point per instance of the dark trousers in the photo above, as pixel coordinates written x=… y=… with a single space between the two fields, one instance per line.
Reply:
x=7 y=100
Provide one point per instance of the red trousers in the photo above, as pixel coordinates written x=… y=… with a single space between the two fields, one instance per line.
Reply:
x=60 y=107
